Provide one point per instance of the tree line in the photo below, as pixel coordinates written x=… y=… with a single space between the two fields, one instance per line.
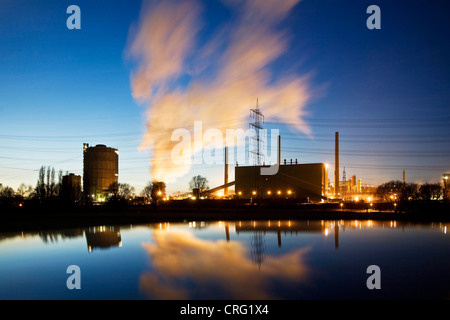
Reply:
x=49 y=188
x=397 y=191
x=413 y=197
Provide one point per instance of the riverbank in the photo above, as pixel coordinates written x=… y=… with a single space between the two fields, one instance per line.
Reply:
x=57 y=218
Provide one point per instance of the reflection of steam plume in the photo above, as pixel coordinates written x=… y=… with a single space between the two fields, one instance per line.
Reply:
x=183 y=79
x=185 y=267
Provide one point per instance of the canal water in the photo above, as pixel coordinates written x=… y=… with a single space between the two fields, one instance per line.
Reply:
x=238 y=260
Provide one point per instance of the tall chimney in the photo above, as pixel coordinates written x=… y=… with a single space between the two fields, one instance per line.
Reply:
x=225 y=192
x=279 y=150
x=336 y=165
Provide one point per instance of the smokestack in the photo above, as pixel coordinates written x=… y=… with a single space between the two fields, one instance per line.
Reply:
x=279 y=150
x=336 y=165
x=404 y=178
x=225 y=192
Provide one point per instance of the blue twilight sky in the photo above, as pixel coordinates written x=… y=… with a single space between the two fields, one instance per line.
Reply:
x=386 y=91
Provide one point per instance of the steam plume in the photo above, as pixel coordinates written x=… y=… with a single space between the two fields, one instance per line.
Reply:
x=183 y=78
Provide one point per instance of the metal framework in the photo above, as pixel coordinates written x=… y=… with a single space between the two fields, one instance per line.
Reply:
x=258 y=141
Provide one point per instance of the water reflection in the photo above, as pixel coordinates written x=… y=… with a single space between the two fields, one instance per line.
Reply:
x=184 y=266
x=280 y=227
x=110 y=236
x=234 y=259
x=56 y=236
x=103 y=238
x=98 y=237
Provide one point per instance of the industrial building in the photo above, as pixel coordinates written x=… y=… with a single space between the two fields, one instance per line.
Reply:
x=305 y=182
x=71 y=187
x=100 y=172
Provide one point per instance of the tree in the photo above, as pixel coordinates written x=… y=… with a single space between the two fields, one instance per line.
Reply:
x=40 y=189
x=410 y=191
x=147 y=191
x=125 y=191
x=59 y=185
x=114 y=189
x=46 y=186
x=430 y=191
x=198 y=182
x=7 y=196
x=24 y=190
x=6 y=192
x=397 y=191
x=153 y=191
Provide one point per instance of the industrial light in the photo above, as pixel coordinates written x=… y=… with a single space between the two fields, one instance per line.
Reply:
x=269 y=192
x=254 y=192
x=240 y=193
x=289 y=192
x=279 y=192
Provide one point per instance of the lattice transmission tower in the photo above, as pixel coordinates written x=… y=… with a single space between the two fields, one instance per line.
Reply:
x=257 y=138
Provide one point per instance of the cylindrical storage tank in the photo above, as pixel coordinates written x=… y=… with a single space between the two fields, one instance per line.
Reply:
x=100 y=172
